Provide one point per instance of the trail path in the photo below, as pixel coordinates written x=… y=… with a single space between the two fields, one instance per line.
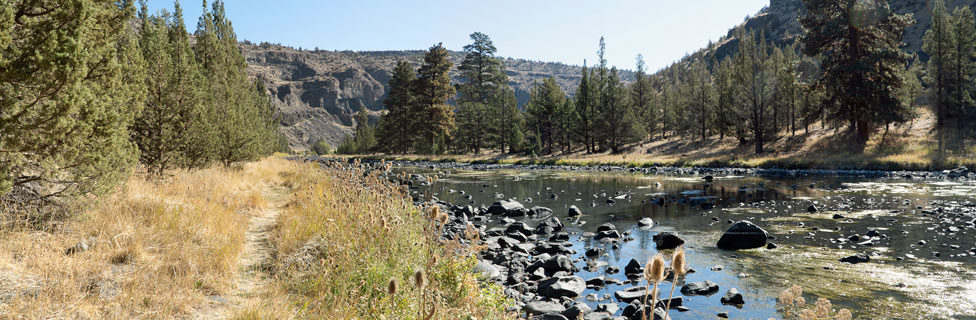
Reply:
x=252 y=277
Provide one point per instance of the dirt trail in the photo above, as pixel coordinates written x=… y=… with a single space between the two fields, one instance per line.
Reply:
x=252 y=278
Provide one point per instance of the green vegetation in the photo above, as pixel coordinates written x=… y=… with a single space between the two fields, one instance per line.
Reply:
x=83 y=95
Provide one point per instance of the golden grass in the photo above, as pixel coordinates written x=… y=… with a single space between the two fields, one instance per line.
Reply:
x=346 y=234
x=160 y=248
x=902 y=148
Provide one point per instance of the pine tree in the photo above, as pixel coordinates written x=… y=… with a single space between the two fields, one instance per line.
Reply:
x=861 y=59
x=724 y=86
x=472 y=130
x=365 y=139
x=431 y=90
x=618 y=123
x=912 y=90
x=71 y=82
x=585 y=106
x=542 y=113
x=754 y=79
x=701 y=97
x=397 y=127
x=485 y=83
x=641 y=94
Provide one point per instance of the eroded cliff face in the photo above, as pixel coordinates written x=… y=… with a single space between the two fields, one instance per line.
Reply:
x=319 y=92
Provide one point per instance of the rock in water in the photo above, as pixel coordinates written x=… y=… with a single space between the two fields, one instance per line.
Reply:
x=558 y=287
x=630 y=294
x=667 y=240
x=507 y=207
x=857 y=258
x=743 y=235
x=633 y=268
x=702 y=288
x=574 y=211
x=645 y=222
x=812 y=208
x=733 y=297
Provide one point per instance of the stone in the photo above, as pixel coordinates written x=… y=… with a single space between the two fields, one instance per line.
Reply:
x=558 y=287
x=630 y=294
x=577 y=310
x=544 y=307
x=667 y=240
x=743 y=235
x=855 y=259
x=733 y=297
x=645 y=222
x=538 y=211
x=510 y=208
x=812 y=208
x=633 y=268
x=701 y=288
x=486 y=270
x=574 y=211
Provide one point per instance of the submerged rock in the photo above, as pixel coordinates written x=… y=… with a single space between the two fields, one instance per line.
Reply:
x=855 y=259
x=574 y=211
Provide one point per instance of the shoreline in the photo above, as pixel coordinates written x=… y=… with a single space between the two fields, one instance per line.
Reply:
x=959 y=173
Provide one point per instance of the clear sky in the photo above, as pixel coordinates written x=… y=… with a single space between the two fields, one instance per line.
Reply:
x=565 y=31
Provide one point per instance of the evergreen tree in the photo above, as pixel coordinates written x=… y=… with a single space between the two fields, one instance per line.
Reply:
x=754 y=79
x=861 y=59
x=431 y=90
x=320 y=147
x=543 y=111
x=71 y=82
x=725 y=89
x=397 y=127
x=585 y=109
x=641 y=94
x=618 y=123
x=484 y=82
x=472 y=130
x=912 y=90
x=701 y=97
x=365 y=139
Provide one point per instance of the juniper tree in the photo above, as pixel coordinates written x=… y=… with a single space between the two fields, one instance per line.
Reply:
x=585 y=106
x=431 y=90
x=364 y=136
x=71 y=81
x=754 y=79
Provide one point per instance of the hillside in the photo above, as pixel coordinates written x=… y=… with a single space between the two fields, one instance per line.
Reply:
x=319 y=91
x=780 y=23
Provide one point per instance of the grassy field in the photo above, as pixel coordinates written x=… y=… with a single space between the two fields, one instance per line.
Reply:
x=904 y=147
x=173 y=248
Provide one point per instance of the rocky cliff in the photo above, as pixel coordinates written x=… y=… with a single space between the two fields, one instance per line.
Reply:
x=318 y=92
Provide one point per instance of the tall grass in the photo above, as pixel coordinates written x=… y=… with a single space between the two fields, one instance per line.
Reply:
x=158 y=249
x=347 y=233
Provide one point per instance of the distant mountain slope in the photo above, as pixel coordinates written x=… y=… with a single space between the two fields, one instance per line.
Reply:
x=319 y=91
x=780 y=23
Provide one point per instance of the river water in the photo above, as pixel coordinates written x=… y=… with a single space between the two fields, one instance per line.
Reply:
x=905 y=279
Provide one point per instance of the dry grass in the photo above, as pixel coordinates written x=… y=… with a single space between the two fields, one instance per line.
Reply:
x=905 y=147
x=346 y=234
x=159 y=248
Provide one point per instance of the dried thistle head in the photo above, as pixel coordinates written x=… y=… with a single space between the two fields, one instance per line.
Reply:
x=420 y=279
x=434 y=212
x=678 y=262
x=823 y=307
x=442 y=219
x=654 y=269
x=393 y=287
x=844 y=314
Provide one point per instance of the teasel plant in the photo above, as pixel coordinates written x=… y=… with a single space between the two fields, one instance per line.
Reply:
x=653 y=272
x=679 y=269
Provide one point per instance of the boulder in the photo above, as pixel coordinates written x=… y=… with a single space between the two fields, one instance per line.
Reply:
x=537 y=210
x=544 y=307
x=486 y=270
x=558 y=287
x=577 y=310
x=733 y=297
x=574 y=211
x=558 y=263
x=667 y=240
x=519 y=227
x=510 y=208
x=606 y=227
x=812 y=208
x=630 y=294
x=633 y=268
x=645 y=222
x=701 y=288
x=633 y=312
x=608 y=235
x=743 y=235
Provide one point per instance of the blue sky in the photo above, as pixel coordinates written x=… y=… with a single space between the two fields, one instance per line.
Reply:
x=565 y=31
